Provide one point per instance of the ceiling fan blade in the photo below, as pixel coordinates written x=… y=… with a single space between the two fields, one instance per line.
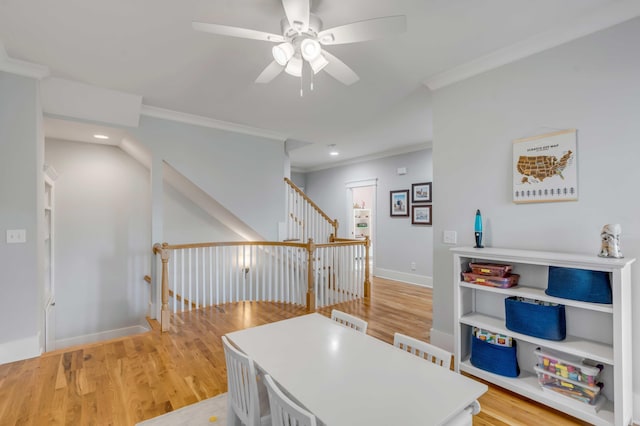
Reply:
x=339 y=70
x=364 y=30
x=236 y=32
x=270 y=72
x=297 y=12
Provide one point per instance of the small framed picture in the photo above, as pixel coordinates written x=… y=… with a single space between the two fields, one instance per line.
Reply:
x=421 y=192
x=421 y=215
x=399 y=203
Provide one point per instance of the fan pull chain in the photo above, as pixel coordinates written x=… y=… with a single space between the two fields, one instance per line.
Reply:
x=301 y=91
x=311 y=84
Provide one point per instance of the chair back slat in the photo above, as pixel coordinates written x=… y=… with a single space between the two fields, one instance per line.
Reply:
x=243 y=399
x=423 y=349
x=284 y=411
x=349 y=321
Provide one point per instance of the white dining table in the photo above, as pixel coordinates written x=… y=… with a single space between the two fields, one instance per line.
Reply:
x=347 y=378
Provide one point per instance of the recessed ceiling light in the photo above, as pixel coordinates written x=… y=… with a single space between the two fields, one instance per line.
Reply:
x=333 y=151
x=98 y=136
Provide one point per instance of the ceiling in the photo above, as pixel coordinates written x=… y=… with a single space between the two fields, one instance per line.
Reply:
x=148 y=48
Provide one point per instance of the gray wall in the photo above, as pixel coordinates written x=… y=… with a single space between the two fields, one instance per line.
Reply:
x=299 y=179
x=398 y=243
x=102 y=238
x=21 y=193
x=591 y=84
x=243 y=173
x=185 y=222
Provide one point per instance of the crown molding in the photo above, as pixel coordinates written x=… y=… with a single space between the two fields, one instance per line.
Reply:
x=601 y=19
x=198 y=120
x=16 y=66
x=384 y=154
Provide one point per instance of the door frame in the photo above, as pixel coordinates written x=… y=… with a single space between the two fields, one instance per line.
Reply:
x=374 y=208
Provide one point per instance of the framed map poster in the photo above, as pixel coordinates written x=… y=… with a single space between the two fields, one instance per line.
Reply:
x=545 y=168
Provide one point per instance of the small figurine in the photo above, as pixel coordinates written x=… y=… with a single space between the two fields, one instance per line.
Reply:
x=478 y=230
x=610 y=236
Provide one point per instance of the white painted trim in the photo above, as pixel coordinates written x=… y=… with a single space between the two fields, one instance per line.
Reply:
x=16 y=66
x=441 y=339
x=16 y=350
x=636 y=409
x=361 y=182
x=600 y=19
x=98 y=337
x=405 y=277
x=384 y=154
x=198 y=120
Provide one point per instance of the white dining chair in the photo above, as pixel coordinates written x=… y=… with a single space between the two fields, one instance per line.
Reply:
x=439 y=357
x=243 y=400
x=465 y=418
x=349 y=321
x=423 y=350
x=285 y=412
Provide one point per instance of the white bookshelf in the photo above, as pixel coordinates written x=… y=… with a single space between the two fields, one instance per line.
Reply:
x=361 y=223
x=599 y=332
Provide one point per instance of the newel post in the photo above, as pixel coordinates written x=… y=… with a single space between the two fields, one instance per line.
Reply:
x=311 y=296
x=164 y=314
x=335 y=227
x=367 y=282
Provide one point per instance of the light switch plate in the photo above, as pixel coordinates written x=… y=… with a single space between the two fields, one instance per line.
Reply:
x=450 y=237
x=15 y=236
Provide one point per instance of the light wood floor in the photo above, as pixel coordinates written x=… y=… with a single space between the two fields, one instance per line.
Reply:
x=127 y=380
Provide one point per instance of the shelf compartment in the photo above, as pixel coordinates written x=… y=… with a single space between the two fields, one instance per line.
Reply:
x=527 y=384
x=539 y=294
x=579 y=347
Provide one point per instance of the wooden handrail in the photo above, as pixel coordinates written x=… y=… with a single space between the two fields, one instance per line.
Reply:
x=234 y=243
x=333 y=222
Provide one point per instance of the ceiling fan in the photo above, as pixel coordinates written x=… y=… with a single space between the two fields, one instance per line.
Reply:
x=301 y=44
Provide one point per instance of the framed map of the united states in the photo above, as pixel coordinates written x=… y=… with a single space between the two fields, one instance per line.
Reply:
x=545 y=168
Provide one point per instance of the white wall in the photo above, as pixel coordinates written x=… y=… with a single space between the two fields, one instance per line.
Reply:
x=102 y=239
x=398 y=242
x=591 y=84
x=21 y=204
x=243 y=173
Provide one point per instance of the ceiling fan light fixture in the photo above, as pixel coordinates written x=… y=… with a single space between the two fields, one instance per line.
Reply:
x=294 y=67
x=318 y=63
x=310 y=49
x=327 y=38
x=282 y=53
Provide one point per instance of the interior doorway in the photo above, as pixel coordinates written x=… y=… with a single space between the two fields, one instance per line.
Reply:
x=361 y=205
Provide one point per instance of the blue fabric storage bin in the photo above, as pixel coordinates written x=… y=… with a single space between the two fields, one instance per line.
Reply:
x=545 y=322
x=495 y=359
x=579 y=284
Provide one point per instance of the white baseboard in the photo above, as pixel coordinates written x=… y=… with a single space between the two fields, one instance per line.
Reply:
x=421 y=280
x=441 y=339
x=636 y=408
x=20 y=349
x=103 y=335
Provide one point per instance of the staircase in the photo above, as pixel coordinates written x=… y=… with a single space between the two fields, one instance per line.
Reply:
x=311 y=268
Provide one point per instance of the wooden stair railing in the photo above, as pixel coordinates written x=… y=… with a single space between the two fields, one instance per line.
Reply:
x=315 y=275
x=305 y=219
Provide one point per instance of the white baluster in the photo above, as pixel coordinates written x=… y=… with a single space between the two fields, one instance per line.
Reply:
x=210 y=276
x=197 y=279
